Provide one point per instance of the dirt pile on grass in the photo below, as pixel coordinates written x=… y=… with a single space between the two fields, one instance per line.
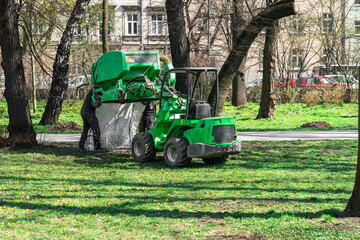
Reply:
x=67 y=126
x=316 y=125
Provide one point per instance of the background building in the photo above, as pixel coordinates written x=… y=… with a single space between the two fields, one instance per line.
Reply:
x=325 y=34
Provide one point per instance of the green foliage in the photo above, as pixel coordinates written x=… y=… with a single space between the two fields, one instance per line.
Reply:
x=335 y=96
x=292 y=95
x=70 y=113
x=311 y=98
x=282 y=190
x=287 y=95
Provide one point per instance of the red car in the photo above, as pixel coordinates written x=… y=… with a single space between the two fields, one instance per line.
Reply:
x=279 y=82
x=318 y=81
x=285 y=81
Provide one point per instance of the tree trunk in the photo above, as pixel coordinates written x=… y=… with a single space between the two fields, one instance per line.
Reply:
x=242 y=44
x=33 y=80
x=20 y=126
x=347 y=95
x=180 y=46
x=105 y=25
x=239 y=98
x=353 y=206
x=59 y=82
x=238 y=85
x=268 y=104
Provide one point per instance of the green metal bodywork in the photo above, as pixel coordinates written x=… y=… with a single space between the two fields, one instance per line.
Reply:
x=169 y=123
x=137 y=76
x=116 y=70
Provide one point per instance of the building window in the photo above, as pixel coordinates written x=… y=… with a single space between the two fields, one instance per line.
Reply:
x=156 y=24
x=40 y=28
x=328 y=22
x=297 y=58
x=2 y=78
x=357 y=27
x=78 y=31
x=108 y=31
x=297 y=25
x=75 y=67
x=327 y=57
x=132 y=24
x=261 y=59
x=201 y=24
x=357 y=2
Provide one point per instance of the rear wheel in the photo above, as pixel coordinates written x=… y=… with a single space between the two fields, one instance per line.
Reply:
x=215 y=160
x=175 y=152
x=142 y=147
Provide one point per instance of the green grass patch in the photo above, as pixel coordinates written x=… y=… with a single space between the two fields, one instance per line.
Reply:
x=272 y=190
x=70 y=113
x=288 y=117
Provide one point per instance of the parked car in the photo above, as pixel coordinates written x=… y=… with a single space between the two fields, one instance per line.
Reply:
x=344 y=80
x=253 y=83
x=280 y=82
x=2 y=81
x=354 y=83
x=318 y=81
x=285 y=81
x=79 y=81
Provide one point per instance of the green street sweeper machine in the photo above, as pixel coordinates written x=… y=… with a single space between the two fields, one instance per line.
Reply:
x=184 y=128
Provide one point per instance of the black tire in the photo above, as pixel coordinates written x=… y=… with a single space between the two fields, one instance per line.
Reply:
x=97 y=103
x=215 y=160
x=175 y=152
x=142 y=147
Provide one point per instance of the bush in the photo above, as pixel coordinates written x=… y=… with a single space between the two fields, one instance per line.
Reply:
x=253 y=94
x=311 y=98
x=291 y=95
x=287 y=95
x=334 y=96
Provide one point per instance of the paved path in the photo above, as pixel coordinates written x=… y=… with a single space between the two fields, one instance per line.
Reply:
x=58 y=137
x=243 y=136
x=298 y=135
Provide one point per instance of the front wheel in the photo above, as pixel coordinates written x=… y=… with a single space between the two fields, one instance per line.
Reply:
x=142 y=147
x=215 y=160
x=175 y=152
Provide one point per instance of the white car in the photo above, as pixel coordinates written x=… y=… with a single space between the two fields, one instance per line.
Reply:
x=2 y=81
x=353 y=82
x=79 y=81
x=253 y=83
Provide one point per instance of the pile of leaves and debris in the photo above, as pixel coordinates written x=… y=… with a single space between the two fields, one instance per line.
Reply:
x=66 y=126
x=316 y=125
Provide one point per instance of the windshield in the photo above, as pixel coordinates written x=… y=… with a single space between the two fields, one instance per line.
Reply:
x=328 y=81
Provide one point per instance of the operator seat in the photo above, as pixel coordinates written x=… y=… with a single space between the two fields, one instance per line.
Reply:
x=199 y=110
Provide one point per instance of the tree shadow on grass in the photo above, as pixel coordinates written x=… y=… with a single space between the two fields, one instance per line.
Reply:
x=191 y=185
x=95 y=158
x=299 y=155
x=292 y=156
x=116 y=209
x=70 y=149
x=289 y=156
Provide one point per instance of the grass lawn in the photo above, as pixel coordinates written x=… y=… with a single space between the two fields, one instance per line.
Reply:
x=288 y=117
x=272 y=190
x=70 y=113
